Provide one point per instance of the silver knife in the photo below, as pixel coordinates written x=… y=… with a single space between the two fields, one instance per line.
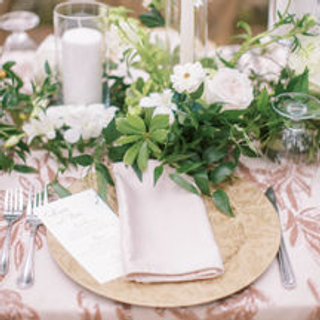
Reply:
x=287 y=276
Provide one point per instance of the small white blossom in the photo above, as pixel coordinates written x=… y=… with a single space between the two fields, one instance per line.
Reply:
x=188 y=77
x=162 y=102
x=41 y=126
x=230 y=87
x=72 y=135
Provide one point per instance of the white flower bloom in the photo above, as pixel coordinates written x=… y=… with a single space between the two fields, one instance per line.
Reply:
x=197 y=3
x=162 y=102
x=72 y=135
x=158 y=100
x=308 y=57
x=230 y=87
x=41 y=126
x=188 y=77
x=164 y=110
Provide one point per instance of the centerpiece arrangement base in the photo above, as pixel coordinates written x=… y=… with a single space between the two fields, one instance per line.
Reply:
x=248 y=244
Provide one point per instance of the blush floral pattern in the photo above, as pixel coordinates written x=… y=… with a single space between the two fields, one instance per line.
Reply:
x=13 y=308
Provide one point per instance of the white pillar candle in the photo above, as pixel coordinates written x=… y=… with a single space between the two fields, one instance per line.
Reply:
x=81 y=56
x=187 y=31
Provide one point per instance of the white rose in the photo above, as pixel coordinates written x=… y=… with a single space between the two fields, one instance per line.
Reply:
x=308 y=57
x=230 y=87
x=188 y=77
x=72 y=135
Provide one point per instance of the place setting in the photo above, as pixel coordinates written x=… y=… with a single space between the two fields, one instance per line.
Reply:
x=176 y=173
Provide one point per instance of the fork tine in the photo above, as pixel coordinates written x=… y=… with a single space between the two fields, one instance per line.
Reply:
x=6 y=201
x=34 y=205
x=20 y=200
x=40 y=200
x=29 y=205
x=15 y=198
x=11 y=201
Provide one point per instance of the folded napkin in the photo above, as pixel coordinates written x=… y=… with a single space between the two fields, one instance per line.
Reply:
x=165 y=232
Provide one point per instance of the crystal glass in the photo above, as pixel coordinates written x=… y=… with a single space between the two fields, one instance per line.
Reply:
x=18 y=22
x=296 y=139
x=189 y=19
x=80 y=40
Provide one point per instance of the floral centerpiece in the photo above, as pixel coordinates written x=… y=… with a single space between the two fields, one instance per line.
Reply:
x=198 y=118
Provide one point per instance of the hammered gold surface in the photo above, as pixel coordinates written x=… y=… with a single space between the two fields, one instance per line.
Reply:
x=248 y=244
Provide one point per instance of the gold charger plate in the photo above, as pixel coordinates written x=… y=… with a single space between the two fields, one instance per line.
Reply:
x=248 y=244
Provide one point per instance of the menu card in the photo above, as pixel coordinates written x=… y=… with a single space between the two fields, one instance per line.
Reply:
x=89 y=230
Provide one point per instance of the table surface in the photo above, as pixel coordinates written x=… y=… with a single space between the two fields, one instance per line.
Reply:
x=55 y=296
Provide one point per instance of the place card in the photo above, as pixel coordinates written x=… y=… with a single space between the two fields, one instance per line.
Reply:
x=89 y=230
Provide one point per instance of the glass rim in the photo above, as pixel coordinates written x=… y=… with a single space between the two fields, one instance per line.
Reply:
x=74 y=3
x=292 y=95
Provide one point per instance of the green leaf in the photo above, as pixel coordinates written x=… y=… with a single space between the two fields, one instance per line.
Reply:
x=213 y=154
x=183 y=183
x=221 y=200
x=102 y=185
x=143 y=157
x=84 y=160
x=24 y=169
x=154 y=148
x=159 y=121
x=299 y=83
x=152 y=19
x=60 y=190
x=104 y=171
x=158 y=171
x=209 y=63
x=222 y=172
x=47 y=68
x=129 y=139
x=130 y=125
x=159 y=135
x=111 y=133
x=189 y=167
x=202 y=181
x=245 y=26
x=132 y=153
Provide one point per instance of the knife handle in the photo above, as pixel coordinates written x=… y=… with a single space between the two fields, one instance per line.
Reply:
x=286 y=271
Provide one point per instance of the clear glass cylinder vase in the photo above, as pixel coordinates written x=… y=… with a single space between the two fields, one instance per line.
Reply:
x=190 y=19
x=80 y=47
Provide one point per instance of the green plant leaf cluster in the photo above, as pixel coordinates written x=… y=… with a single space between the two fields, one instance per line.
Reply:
x=143 y=137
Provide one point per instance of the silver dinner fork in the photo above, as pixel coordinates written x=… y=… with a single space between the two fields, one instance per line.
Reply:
x=13 y=208
x=26 y=277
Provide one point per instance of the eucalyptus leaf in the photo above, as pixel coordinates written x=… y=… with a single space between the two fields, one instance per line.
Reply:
x=158 y=171
x=223 y=171
x=61 y=191
x=84 y=160
x=24 y=169
x=183 y=183
x=104 y=171
x=221 y=200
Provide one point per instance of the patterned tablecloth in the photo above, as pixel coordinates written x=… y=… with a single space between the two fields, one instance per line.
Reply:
x=55 y=296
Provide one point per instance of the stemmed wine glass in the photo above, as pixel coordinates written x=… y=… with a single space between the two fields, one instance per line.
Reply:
x=18 y=22
x=296 y=108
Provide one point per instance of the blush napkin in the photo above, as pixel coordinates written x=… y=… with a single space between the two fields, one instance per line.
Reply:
x=165 y=231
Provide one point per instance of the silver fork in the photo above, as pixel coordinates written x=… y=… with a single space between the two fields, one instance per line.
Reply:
x=13 y=208
x=26 y=277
